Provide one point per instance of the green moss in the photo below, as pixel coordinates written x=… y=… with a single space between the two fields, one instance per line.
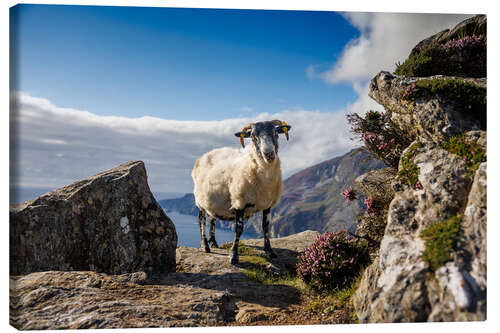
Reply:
x=471 y=152
x=440 y=241
x=422 y=63
x=470 y=97
x=409 y=171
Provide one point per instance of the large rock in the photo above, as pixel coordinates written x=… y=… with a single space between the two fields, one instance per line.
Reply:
x=109 y=222
x=435 y=118
x=398 y=286
x=206 y=290
x=74 y=300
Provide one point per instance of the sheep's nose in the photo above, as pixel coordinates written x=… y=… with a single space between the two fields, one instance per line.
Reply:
x=269 y=156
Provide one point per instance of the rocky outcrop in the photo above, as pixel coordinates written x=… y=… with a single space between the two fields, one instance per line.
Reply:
x=431 y=264
x=109 y=222
x=206 y=290
x=435 y=117
x=399 y=285
x=475 y=25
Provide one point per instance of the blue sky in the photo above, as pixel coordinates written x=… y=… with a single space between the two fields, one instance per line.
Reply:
x=94 y=87
x=179 y=63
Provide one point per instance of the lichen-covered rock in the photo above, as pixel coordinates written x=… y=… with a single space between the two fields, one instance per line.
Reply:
x=459 y=290
x=475 y=25
x=109 y=222
x=432 y=116
x=399 y=285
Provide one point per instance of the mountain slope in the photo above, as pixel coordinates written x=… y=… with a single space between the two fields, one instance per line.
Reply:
x=311 y=199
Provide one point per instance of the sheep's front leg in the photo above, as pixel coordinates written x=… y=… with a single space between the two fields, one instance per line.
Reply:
x=233 y=255
x=201 y=223
x=211 y=241
x=266 y=217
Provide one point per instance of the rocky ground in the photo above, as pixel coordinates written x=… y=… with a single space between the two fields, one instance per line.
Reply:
x=204 y=291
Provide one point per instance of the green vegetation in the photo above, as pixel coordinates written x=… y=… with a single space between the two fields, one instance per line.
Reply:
x=339 y=298
x=469 y=150
x=440 y=241
x=423 y=63
x=465 y=56
x=255 y=268
x=325 y=301
x=409 y=171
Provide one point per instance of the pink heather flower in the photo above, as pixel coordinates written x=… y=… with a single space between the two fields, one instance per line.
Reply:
x=349 y=194
x=382 y=146
x=418 y=185
x=369 y=209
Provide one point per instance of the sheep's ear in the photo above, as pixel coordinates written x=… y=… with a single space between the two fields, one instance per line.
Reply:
x=242 y=135
x=239 y=134
x=281 y=129
x=284 y=129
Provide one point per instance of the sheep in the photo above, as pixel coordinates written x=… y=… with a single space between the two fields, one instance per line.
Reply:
x=233 y=185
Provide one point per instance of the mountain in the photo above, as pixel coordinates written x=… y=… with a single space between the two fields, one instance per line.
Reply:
x=311 y=199
x=184 y=205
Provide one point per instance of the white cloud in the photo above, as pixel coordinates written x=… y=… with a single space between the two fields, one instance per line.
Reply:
x=385 y=38
x=55 y=146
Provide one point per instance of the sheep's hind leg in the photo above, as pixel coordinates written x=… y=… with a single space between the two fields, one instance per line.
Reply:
x=266 y=217
x=211 y=241
x=201 y=223
x=233 y=254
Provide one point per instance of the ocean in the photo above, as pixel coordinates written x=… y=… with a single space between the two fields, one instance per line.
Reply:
x=188 y=233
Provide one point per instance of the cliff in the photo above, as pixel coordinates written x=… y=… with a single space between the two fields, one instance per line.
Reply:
x=431 y=263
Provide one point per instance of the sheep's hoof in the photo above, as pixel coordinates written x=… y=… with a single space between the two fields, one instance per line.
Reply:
x=271 y=254
x=204 y=245
x=213 y=243
x=234 y=260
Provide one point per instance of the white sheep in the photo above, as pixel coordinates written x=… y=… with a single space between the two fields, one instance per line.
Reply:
x=233 y=185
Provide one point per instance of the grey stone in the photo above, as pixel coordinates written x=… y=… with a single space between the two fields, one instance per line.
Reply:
x=109 y=222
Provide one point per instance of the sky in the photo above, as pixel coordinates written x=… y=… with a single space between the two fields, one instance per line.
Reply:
x=94 y=87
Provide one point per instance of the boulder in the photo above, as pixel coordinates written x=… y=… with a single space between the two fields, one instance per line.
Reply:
x=399 y=285
x=432 y=116
x=109 y=222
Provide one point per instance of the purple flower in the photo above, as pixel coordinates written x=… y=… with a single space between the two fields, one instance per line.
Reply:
x=349 y=194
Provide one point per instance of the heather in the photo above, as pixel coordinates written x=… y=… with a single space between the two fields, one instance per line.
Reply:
x=331 y=261
x=458 y=57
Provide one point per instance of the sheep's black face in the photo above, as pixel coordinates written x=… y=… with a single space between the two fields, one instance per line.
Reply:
x=265 y=140
x=264 y=136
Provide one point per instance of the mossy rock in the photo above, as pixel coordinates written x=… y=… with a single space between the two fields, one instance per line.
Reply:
x=461 y=57
x=440 y=241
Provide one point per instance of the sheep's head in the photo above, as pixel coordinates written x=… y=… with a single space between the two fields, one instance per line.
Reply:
x=264 y=136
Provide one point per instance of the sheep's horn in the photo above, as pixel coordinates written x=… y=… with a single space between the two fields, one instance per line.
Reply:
x=242 y=141
x=242 y=135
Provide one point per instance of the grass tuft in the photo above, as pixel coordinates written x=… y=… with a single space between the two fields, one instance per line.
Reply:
x=440 y=241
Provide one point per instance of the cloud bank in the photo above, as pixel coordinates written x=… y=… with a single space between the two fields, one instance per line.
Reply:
x=54 y=146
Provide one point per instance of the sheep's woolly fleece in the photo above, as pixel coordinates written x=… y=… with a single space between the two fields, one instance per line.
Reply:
x=228 y=178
